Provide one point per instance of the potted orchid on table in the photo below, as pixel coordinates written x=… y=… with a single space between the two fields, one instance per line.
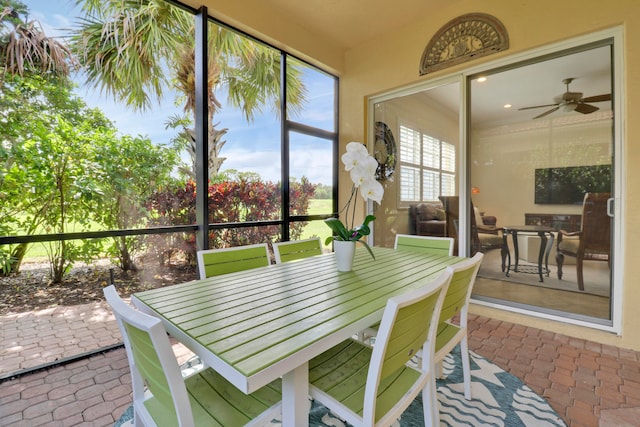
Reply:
x=362 y=168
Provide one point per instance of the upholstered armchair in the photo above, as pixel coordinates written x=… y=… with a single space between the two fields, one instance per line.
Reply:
x=484 y=233
x=427 y=219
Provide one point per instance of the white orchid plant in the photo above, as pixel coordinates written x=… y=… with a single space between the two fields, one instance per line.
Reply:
x=362 y=169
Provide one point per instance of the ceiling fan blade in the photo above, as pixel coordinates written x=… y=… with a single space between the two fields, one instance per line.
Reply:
x=586 y=108
x=537 y=106
x=547 y=112
x=598 y=98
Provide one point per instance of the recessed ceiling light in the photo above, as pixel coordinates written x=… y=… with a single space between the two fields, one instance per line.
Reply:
x=481 y=79
x=508 y=105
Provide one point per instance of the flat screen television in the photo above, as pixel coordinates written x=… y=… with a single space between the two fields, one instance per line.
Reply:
x=567 y=185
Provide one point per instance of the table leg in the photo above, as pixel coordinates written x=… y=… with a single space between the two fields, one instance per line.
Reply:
x=295 y=397
x=543 y=250
x=546 y=256
x=504 y=252
x=516 y=253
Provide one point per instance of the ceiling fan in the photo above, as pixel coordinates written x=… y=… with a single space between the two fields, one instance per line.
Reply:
x=573 y=101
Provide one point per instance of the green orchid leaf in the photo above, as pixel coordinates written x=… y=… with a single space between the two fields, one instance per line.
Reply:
x=366 y=245
x=338 y=228
x=368 y=219
x=340 y=232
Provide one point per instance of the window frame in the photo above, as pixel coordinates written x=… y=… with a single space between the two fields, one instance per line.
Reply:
x=421 y=167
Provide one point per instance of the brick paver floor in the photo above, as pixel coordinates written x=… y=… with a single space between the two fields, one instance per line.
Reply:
x=588 y=384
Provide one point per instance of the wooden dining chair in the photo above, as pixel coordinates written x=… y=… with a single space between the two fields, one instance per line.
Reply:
x=373 y=386
x=592 y=242
x=296 y=249
x=213 y=262
x=425 y=244
x=452 y=326
x=162 y=397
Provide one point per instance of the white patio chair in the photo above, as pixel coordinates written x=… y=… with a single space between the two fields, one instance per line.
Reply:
x=373 y=386
x=422 y=244
x=161 y=397
x=456 y=305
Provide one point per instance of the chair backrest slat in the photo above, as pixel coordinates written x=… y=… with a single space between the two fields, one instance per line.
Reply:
x=296 y=249
x=425 y=244
x=215 y=262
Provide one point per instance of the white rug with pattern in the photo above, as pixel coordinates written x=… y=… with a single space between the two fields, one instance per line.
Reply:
x=499 y=399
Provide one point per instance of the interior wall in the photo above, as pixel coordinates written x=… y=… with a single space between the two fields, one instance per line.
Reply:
x=504 y=160
x=393 y=62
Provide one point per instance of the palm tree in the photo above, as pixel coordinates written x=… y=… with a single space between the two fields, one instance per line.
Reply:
x=135 y=50
x=24 y=46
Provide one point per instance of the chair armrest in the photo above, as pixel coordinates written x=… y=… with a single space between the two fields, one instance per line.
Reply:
x=562 y=233
x=489 y=220
x=488 y=229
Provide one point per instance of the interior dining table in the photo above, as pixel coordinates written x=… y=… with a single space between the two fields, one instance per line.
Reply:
x=258 y=325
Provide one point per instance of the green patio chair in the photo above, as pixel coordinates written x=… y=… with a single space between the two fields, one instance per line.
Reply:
x=162 y=397
x=214 y=262
x=456 y=306
x=425 y=244
x=422 y=244
x=296 y=249
x=373 y=386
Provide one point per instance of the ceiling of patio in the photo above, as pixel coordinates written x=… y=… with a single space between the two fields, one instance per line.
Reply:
x=349 y=23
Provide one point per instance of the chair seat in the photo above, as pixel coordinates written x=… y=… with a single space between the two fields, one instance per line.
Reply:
x=215 y=401
x=488 y=241
x=570 y=246
x=331 y=367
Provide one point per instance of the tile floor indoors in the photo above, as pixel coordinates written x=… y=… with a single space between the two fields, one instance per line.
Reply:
x=588 y=384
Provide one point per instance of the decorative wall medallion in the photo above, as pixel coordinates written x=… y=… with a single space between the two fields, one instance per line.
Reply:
x=463 y=38
x=384 y=151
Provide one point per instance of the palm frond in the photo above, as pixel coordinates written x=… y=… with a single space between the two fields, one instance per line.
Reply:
x=26 y=48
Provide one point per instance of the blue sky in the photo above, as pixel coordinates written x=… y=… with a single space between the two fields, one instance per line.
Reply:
x=249 y=147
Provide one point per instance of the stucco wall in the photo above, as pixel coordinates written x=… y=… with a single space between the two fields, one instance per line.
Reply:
x=392 y=61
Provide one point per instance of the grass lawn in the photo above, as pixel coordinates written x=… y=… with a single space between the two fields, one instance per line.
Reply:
x=313 y=229
x=318 y=228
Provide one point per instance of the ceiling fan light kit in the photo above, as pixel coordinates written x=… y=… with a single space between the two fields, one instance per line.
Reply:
x=571 y=101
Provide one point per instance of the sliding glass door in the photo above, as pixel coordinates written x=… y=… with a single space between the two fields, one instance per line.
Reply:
x=517 y=160
x=541 y=159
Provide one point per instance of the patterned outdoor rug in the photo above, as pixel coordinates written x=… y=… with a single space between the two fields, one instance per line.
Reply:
x=499 y=399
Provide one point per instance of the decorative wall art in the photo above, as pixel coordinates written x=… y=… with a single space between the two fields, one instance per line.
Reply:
x=385 y=152
x=464 y=38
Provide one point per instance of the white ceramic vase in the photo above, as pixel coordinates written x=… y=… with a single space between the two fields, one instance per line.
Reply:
x=344 y=252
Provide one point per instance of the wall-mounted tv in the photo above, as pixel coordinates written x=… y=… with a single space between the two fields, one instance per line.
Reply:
x=567 y=185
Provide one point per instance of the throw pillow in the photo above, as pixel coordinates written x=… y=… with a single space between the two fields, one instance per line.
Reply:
x=426 y=212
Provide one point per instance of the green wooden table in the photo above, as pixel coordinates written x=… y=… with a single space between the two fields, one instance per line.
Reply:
x=258 y=325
